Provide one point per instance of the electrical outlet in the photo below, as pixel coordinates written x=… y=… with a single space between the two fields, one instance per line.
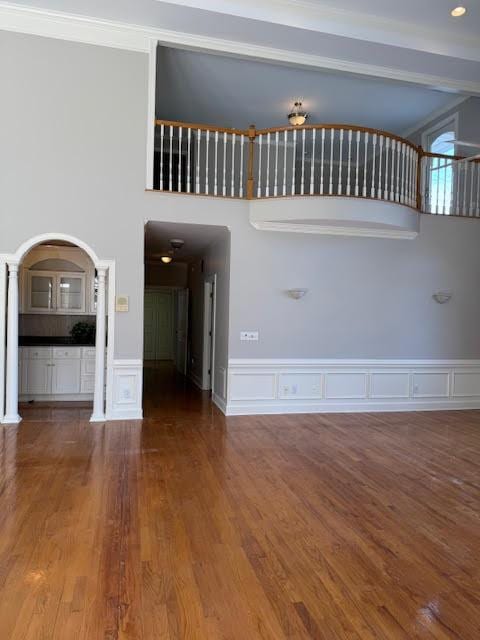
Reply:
x=249 y=336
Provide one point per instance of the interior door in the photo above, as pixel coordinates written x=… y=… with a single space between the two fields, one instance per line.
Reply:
x=181 y=331
x=158 y=326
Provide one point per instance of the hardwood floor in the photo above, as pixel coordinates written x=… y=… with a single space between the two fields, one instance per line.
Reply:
x=189 y=525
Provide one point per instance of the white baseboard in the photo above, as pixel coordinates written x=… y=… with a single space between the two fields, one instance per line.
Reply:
x=220 y=403
x=322 y=386
x=127 y=390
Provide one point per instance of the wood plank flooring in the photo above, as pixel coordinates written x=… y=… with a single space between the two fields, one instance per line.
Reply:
x=189 y=525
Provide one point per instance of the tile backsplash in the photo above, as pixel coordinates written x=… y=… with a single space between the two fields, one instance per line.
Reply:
x=49 y=325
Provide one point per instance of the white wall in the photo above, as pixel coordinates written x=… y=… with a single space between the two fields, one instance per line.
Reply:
x=73 y=121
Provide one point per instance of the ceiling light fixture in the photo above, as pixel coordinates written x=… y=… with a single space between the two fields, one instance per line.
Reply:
x=166 y=259
x=458 y=12
x=297 y=116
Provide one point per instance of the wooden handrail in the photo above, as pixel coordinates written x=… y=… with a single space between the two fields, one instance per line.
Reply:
x=345 y=127
x=429 y=154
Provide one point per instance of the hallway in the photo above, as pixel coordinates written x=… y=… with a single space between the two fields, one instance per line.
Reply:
x=192 y=525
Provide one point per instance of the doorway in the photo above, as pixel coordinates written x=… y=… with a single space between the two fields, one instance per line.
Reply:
x=42 y=280
x=185 y=321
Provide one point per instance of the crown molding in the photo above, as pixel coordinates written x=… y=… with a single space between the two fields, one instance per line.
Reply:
x=434 y=115
x=326 y=18
x=118 y=35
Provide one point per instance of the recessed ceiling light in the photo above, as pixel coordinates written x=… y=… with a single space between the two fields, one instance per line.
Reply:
x=458 y=11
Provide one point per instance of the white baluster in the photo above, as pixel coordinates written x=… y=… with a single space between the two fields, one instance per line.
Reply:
x=398 y=187
x=330 y=186
x=379 y=191
x=162 y=136
x=414 y=178
x=387 y=148
x=340 y=163
x=267 y=185
x=285 y=154
x=470 y=205
x=409 y=175
x=444 y=208
x=242 y=142
x=207 y=141
x=312 y=163
x=259 y=185
x=365 y=165
x=302 y=180
x=224 y=187
x=322 y=161
x=392 y=180
x=477 y=208
x=179 y=185
x=197 y=172
x=232 y=184
x=465 y=180
x=170 y=173
x=349 y=160
x=275 y=185
x=374 y=148
x=294 y=160
x=189 y=142
x=402 y=179
x=357 y=163
x=215 y=166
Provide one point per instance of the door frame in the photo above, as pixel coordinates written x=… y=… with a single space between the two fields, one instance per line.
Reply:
x=209 y=320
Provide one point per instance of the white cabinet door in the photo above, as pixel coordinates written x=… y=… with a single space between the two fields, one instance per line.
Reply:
x=66 y=376
x=71 y=292
x=41 y=292
x=37 y=376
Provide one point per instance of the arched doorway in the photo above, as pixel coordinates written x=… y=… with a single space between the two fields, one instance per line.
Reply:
x=9 y=310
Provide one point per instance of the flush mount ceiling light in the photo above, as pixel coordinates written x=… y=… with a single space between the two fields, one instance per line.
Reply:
x=458 y=12
x=166 y=259
x=298 y=115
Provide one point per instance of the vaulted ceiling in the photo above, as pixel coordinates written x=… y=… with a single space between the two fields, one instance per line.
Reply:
x=232 y=92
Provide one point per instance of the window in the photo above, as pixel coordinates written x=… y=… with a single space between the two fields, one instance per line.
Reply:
x=439 y=139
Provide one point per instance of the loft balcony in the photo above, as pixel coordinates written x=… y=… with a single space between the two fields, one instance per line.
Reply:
x=328 y=178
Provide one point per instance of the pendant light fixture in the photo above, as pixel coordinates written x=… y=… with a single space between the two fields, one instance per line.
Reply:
x=298 y=115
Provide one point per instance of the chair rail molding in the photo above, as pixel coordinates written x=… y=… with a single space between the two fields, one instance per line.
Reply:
x=276 y=386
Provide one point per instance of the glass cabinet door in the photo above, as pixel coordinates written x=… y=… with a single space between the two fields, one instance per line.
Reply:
x=71 y=293
x=41 y=292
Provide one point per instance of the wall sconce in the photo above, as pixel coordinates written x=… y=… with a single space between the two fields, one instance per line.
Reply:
x=442 y=296
x=296 y=294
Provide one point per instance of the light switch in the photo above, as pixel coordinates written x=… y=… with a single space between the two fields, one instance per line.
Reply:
x=249 y=335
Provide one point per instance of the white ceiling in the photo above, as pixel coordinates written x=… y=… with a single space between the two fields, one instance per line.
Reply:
x=197 y=238
x=416 y=40
x=230 y=92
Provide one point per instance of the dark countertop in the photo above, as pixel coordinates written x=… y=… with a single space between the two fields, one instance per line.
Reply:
x=51 y=341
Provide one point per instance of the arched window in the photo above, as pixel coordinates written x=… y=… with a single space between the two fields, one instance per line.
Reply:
x=439 y=140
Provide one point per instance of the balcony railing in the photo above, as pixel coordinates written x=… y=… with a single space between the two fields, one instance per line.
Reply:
x=312 y=160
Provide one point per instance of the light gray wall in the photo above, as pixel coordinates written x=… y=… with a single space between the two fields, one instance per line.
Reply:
x=72 y=160
x=468 y=124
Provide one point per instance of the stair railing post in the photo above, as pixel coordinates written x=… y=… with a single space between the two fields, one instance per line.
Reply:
x=252 y=134
x=419 y=177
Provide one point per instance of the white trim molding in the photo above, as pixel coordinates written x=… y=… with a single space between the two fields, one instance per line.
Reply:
x=89 y=30
x=127 y=390
x=262 y=386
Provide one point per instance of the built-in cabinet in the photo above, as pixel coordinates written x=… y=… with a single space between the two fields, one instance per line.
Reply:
x=58 y=280
x=56 y=372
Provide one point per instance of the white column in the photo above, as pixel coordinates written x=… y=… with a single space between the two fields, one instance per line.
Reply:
x=98 y=398
x=12 y=416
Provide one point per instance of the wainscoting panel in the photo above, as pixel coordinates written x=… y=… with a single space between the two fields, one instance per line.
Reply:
x=466 y=384
x=127 y=390
x=312 y=386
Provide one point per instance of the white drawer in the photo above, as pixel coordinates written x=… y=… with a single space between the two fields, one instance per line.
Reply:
x=37 y=353
x=61 y=353
x=88 y=353
x=87 y=384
